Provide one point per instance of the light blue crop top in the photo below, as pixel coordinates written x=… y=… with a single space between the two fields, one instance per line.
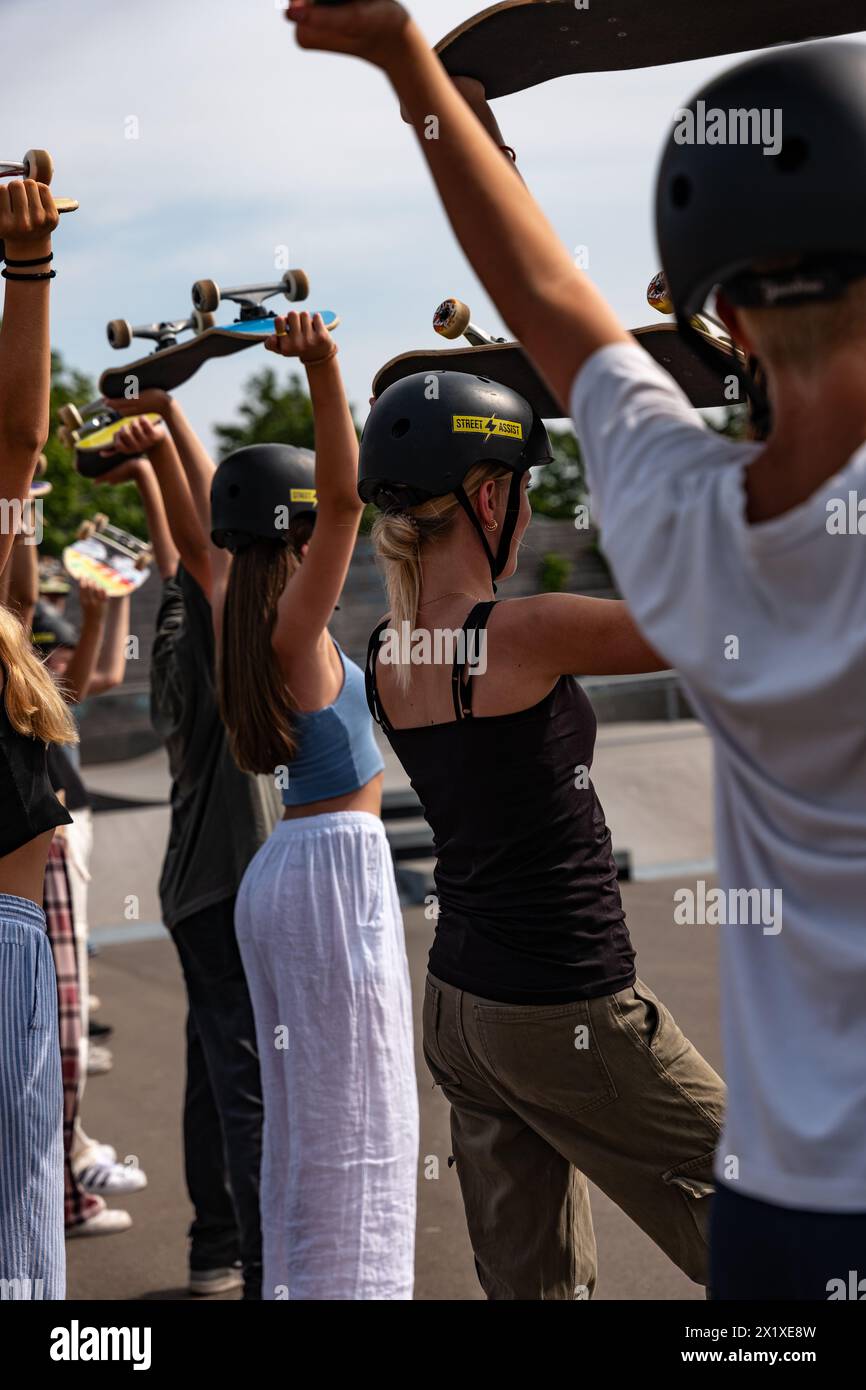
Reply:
x=337 y=751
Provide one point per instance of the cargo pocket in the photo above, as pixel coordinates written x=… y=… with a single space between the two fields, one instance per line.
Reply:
x=547 y=1055
x=694 y=1180
x=433 y=1056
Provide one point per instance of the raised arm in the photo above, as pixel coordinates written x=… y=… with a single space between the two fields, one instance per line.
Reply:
x=547 y=301
x=312 y=593
x=79 y=672
x=22 y=594
x=28 y=217
x=110 y=667
x=186 y=510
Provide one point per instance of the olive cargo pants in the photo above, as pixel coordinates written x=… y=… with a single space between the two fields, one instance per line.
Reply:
x=544 y=1097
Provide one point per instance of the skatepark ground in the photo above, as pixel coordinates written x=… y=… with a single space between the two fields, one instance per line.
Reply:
x=654 y=781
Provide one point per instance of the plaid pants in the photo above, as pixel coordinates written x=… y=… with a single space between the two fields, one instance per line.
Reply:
x=78 y=1204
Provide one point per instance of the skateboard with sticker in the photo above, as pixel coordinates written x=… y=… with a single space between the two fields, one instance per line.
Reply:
x=90 y=431
x=521 y=43
x=116 y=561
x=508 y=363
x=172 y=362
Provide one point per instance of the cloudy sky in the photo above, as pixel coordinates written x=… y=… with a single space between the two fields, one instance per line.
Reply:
x=246 y=144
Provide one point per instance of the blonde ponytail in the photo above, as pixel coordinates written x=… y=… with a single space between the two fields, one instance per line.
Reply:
x=399 y=539
x=34 y=704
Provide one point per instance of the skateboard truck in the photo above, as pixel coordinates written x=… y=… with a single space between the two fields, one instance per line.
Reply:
x=38 y=165
x=454 y=320
x=140 y=552
x=207 y=295
x=121 y=333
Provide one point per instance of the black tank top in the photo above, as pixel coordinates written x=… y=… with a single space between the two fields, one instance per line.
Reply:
x=28 y=805
x=529 y=903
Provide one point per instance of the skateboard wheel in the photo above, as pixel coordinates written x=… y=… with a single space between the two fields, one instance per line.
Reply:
x=452 y=318
x=71 y=416
x=658 y=294
x=143 y=560
x=66 y=437
x=202 y=322
x=297 y=285
x=85 y=530
x=38 y=165
x=100 y=521
x=206 y=296
x=119 y=333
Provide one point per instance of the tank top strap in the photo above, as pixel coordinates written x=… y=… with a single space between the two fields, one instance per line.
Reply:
x=373 y=702
x=461 y=688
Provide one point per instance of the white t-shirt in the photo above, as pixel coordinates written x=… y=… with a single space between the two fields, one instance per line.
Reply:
x=767 y=625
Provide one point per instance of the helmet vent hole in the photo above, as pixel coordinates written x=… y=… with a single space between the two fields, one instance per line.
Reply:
x=681 y=191
x=793 y=155
x=234 y=490
x=401 y=427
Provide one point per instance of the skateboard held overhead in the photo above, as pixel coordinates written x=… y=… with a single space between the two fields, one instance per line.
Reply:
x=38 y=165
x=173 y=362
x=90 y=432
x=521 y=43
x=113 y=559
x=508 y=363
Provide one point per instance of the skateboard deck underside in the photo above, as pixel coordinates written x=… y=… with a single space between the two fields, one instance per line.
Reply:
x=171 y=367
x=92 y=559
x=508 y=364
x=516 y=45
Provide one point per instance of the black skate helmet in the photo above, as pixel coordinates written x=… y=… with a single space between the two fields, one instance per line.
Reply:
x=725 y=210
x=426 y=432
x=257 y=492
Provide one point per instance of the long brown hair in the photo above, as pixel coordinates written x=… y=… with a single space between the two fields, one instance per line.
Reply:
x=255 y=703
x=34 y=704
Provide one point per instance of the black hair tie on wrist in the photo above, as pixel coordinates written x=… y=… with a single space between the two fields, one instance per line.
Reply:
x=47 y=275
x=40 y=260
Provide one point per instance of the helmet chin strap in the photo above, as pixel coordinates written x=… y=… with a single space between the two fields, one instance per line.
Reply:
x=498 y=561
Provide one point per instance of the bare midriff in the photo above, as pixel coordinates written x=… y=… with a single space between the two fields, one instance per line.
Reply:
x=367 y=798
x=22 y=873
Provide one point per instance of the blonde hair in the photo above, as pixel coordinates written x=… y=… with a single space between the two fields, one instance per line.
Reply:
x=802 y=336
x=399 y=539
x=34 y=704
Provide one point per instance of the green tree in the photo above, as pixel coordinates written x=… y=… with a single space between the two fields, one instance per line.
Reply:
x=559 y=488
x=276 y=413
x=273 y=412
x=72 y=498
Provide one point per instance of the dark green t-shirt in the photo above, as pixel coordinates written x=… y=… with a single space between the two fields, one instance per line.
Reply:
x=220 y=816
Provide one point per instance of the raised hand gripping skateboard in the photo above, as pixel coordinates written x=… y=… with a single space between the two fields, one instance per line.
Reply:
x=508 y=363
x=38 y=165
x=113 y=559
x=172 y=363
x=512 y=46
x=91 y=432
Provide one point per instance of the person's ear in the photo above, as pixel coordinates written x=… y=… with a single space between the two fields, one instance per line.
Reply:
x=730 y=317
x=487 y=501
x=304 y=548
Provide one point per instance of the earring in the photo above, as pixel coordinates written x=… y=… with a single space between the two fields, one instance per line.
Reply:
x=491 y=525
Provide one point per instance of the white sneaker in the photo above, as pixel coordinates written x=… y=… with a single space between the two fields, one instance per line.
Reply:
x=99 y=1060
x=111 y=1179
x=109 y=1222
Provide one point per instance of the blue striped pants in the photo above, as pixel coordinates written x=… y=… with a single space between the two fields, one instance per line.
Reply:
x=32 y=1253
